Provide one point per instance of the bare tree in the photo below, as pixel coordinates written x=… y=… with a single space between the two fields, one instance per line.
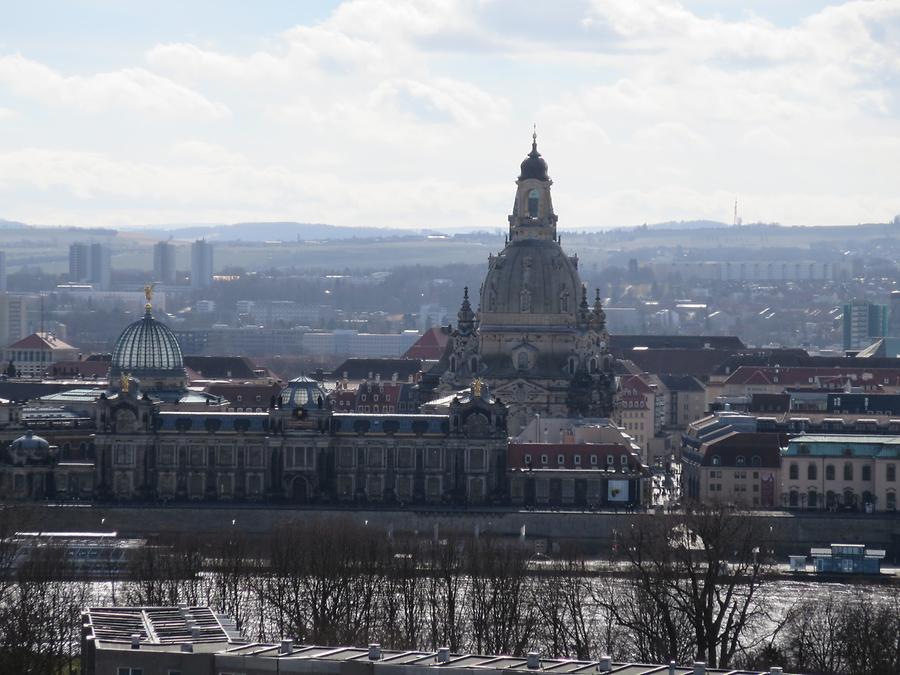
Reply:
x=702 y=569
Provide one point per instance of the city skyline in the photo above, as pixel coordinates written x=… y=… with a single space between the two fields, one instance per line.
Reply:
x=363 y=113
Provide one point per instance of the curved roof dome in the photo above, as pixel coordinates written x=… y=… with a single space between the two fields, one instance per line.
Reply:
x=530 y=277
x=303 y=392
x=534 y=165
x=147 y=346
x=30 y=442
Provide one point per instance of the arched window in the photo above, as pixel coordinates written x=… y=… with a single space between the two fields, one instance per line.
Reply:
x=522 y=360
x=891 y=501
x=572 y=365
x=829 y=472
x=716 y=460
x=867 y=472
x=534 y=202
x=593 y=366
x=811 y=472
x=812 y=500
x=757 y=460
x=793 y=498
x=473 y=364
x=564 y=302
x=848 y=471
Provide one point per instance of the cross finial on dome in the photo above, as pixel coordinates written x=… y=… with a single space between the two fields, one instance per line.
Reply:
x=534 y=137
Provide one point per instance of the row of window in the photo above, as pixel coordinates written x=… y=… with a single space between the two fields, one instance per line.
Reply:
x=812 y=471
x=812 y=499
x=576 y=460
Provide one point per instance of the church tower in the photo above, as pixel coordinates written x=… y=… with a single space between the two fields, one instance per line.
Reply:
x=534 y=340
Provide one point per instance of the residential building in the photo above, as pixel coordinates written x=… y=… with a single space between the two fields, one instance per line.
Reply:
x=863 y=322
x=35 y=354
x=740 y=468
x=841 y=472
x=13 y=317
x=201 y=264
x=90 y=263
x=164 y=270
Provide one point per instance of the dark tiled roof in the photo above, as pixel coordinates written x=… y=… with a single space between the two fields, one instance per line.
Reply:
x=221 y=367
x=625 y=343
x=361 y=369
x=728 y=448
x=681 y=382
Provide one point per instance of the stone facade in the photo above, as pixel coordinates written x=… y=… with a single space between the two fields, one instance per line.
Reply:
x=302 y=453
x=535 y=339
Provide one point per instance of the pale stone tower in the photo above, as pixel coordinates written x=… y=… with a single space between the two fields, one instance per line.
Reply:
x=535 y=340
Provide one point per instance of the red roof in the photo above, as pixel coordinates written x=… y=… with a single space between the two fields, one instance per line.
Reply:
x=429 y=347
x=804 y=376
x=41 y=341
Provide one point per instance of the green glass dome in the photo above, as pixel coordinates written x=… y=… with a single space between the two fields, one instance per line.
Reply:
x=147 y=347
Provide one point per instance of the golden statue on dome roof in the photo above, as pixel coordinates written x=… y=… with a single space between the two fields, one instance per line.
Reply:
x=148 y=293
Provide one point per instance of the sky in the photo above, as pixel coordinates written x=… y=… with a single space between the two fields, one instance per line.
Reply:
x=394 y=113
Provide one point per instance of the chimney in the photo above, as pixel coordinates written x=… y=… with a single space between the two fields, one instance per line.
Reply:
x=534 y=660
x=135 y=640
x=187 y=648
x=195 y=633
x=671 y=668
x=699 y=668
x=374 y=652
x=605 y=664
x=287 y=646
x=443 y=655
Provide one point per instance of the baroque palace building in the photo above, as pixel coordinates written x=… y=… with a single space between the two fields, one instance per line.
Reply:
x=535 y=339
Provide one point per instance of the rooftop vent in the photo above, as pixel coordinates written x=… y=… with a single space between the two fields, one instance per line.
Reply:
x=672 y=668
x=196 y=632
x=287 y=646
x=776 y=670
x=135 y=640
x=443 y=655
x=534 y=660
x=699 y=668
x=374 y=652
x=605 y=664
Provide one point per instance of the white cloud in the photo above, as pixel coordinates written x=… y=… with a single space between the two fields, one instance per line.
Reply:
x=400 y=112
x=134 y=88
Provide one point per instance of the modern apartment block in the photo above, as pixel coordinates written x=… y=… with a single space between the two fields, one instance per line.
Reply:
x=201 y=264
x=90 y=263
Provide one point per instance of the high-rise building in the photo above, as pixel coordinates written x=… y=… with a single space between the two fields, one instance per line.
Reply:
x=90 y=263
x=13 y=318
x=201 y=264
x=894 y=315
x=164 y=262
x=2 y=271
x=864 y=322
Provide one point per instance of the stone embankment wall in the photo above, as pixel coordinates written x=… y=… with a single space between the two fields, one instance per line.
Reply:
x=792 y=533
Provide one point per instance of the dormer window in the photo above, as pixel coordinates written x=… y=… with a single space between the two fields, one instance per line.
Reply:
x=534 y=202
x=522 y=360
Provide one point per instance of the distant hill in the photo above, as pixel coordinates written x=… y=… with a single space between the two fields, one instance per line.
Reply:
x=11 y=225
x=278 y=231
x=688 y=225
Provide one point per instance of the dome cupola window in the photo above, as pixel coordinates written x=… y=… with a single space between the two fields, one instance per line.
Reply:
x=534 y=203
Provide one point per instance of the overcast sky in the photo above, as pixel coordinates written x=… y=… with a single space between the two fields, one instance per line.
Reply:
x=417 y=114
